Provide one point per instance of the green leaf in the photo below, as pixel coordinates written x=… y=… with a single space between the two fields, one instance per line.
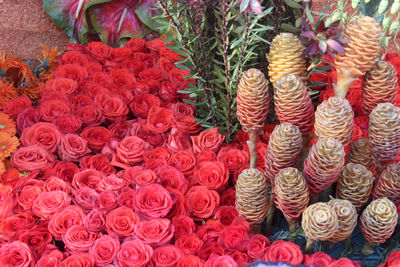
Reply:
x=293 y=4
x=290 y=28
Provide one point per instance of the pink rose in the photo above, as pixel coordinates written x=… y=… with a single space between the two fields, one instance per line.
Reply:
x=78 y=239
x=104 y=250
x=48 y=203
x=155 y=232
x=134 y=253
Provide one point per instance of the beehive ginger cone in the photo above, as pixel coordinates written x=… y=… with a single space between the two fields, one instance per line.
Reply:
x=380 y=85
x=252 y=196
x=384 y=133
x=293 y=103
x=284 y=149
x=363 y=34
x=284 y=57
x=378 y=221
x=388 y=184
x=323 y=164
x=291 y=194
x=355 y=184
x=334 y=117
x=347 y=218
x=361 y=153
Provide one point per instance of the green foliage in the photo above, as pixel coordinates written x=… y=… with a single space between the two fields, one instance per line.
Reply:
x=217 y=43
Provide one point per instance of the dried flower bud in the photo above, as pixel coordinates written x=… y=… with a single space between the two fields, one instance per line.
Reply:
x=388 y=184
x=347 y=217
x=319 y=222
x=360 y=153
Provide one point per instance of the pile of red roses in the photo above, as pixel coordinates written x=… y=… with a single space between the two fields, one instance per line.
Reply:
x=114 y=171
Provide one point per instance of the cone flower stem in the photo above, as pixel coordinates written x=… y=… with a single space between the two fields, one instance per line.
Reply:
x=309 y=245
x=270 y=214
x=367 y=249
x=252 y=144
x=347 y=244
x=345 y=78
x=293 y=224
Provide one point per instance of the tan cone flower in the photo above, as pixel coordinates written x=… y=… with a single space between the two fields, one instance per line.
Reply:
x=347 y=217
x=378 y=221
x=360 y=153
x=319 y=221
x=284 y=57
x=291 y=192
x=355 y=184
x=284 y=149
x=252 y=196
x=252 y=100
x=293 y=103
x=388 y=184
x=363 y=34
x=323 y=164
x=334 y=118
x=380 y=85
x=384 y=133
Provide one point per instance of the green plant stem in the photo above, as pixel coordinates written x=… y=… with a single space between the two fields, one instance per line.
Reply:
x=347 y=244
x=244 y=46
x=309 y=245
x=367 y=249
x=293 y=224
x=270 y=214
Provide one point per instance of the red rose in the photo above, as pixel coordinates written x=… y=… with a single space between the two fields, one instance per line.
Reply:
x=27 y=118
x=16 y=254
x=89 y=178
x=186 y=124
x=14 y=106
x=101 y=78
x=104 y=250
x=392 y=260
x=61 y=221
x=159 y=119
x=65 y=170
x=28 y=195
x=153 y=201
x=156 y=157
x=51 y=259
x=167 y=256
x=183 y=225
x=68 y=86
x=98 y=162
x=50 y=109
x=345 y=262
x=190 y=261
x=154 y=139
x=122 y=78
x=172 y=177
x=151 y=74
x=41 y=134
x=127 y=198
x=257 y=246
x=134 y=253
x=233 y=158
x=73 y=147
x=179 y=206
x=284 y=251
x=209 y=232
x=86 y=198
x=107 y=201
x=99 y=50
x=111 y=183
x=213 y=175
x=176 y=76
x=216 y=261
x=209 y=139
x=130 y=150
x=81 y=100
x=267 y=129
x=10 y=225
x=95 y=221
x=189 y=244
x=142 y=103
x=236 y=235
x=120 y=53
x=92 y=89
x=136 y=44
x=68 y=123
x=112 y=106
x=140 y=176
x=71 y=71
x=201 y=201
x=206 y=155
x=168 y=92
x=48 y=203
x=165 y=64
x=155 y=232
x=77 y=239
x=184 y=161
x=134 y=66
x=156 y=45
x=318 y=259
x=226 y=214
x=121 y=221
x=74 y=57
x=31 y=158
x=120 y=129
x=56 y=184
x=96 y=136
x=241 y=258
x=178 y=141
x=83 y=259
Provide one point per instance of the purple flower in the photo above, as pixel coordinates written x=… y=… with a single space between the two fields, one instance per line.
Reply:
x=251 y=6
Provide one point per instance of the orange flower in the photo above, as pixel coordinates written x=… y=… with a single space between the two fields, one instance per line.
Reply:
x=8 y=144
x=7 y=125
x=7 y=91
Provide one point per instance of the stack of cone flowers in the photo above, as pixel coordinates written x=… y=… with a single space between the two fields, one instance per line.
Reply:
x=284 y=149
x=388 y=184
x=384 y=133
x=293 y=103
x=347 y=218
x=252 y=196
x=361 y=153
x=291 y=194
x=334 y=118
x=323 y=164
x=363 y=34
x=284 y=57
x=378 y=222
x=380 y=86
x=355 y=184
